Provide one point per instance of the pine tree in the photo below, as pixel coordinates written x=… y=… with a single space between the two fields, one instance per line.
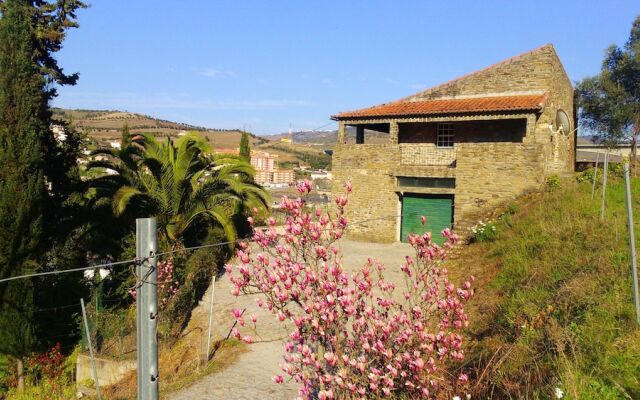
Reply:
x=34 y=168
x=245 y=151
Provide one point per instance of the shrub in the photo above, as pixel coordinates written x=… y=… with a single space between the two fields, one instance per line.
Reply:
x=195 y=277
x=484 y=231
x=552 y=182
x=586 y=175
x=49 y=376
x=353 y=335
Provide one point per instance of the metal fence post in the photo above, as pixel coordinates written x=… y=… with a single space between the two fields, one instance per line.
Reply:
x=595 y=176
x=213 y=290
x=632 y=241
x=93 y=361
x=605 y=168
x=147 y=308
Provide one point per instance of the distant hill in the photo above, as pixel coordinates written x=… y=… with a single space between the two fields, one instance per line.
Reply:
x=327 y=139
x=104 y=126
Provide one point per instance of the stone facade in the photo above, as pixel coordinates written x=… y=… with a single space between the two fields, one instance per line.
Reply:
x=496 y=156
x=373 y=207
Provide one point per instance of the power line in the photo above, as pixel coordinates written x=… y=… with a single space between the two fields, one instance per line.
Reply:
x=69 y=270
x=323 y=126
x=136 y=260
x=164 y=253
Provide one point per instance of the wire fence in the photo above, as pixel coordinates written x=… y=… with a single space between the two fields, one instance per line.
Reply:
x=111 y=329
x=136 y=261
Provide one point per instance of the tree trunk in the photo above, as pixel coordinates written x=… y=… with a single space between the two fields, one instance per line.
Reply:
x=20 y=366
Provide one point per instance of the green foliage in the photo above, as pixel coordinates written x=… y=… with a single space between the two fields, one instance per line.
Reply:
x=512 y=209
x=315 y=160
x=615 y=170
x=38 y=177
x=109 y=329
x=61 y=388
x=195 y=278
x=245 y=151
x=179 y=183
x=484 y=231
x=289 y=165
x=587 y=175
x=610 y=102
x=552 y=182
x=559 y=304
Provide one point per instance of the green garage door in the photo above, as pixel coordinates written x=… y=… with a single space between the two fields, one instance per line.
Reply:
x=437 y=208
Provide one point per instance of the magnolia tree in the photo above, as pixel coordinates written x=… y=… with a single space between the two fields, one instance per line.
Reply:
x=354 y=335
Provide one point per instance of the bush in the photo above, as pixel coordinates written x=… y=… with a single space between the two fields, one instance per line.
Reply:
x=552 y=182
x=484 y=231
x=195 y=278
x=587 y=175
x=49 y=376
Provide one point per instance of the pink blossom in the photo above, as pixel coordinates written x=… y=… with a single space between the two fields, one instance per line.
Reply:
x=349 y=335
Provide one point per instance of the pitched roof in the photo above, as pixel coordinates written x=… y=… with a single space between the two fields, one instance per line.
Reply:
x=425 y=103
x=449 y=106
x=510 y=60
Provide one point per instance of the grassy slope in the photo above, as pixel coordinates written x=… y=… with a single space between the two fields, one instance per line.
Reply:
x=554 y=302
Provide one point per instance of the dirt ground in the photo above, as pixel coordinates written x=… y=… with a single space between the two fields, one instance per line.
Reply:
x=251 y=376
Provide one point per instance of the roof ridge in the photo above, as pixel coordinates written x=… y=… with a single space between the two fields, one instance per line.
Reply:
x=479 y=71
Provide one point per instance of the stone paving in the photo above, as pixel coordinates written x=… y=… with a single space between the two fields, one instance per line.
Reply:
x=251 y=376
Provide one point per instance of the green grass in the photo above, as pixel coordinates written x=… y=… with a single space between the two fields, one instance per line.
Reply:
x=554 y=303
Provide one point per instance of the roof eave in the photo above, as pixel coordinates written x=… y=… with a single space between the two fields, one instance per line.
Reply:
x=439 y=114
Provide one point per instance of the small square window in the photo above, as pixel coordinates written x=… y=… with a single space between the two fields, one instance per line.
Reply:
x=445 y=135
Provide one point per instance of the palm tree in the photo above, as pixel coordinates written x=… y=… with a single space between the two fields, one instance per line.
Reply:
x=180 y=183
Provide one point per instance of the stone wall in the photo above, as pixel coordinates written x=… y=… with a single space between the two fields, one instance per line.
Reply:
x=109 y=371
x=560 y=147
x=426 y=154
x=525 y=73
x=488 y=174
x=369 y=169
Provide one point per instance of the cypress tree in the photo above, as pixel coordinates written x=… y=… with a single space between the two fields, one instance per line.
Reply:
x=33 y=167
x=245 y=151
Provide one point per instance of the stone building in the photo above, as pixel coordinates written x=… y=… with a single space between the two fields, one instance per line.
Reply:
x=458 y=148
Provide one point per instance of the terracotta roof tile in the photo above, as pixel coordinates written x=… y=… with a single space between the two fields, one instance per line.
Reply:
x=449 y=106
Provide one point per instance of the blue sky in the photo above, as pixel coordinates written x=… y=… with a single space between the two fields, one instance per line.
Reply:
x=266 y=64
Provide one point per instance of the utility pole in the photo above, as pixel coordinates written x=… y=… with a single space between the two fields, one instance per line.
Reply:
x=632 y=241
x=147 y=308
